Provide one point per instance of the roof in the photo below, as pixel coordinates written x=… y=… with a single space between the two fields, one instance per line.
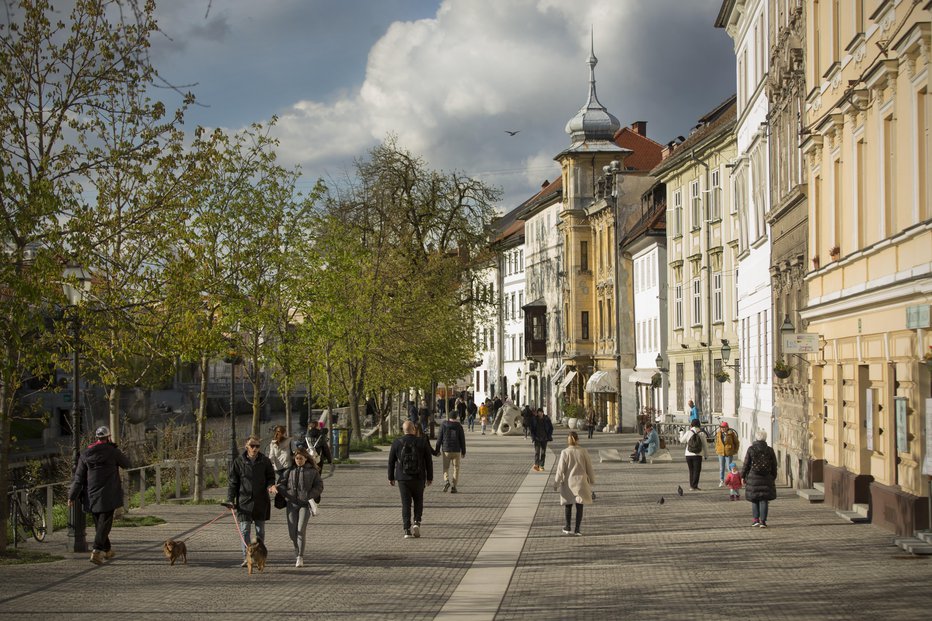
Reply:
x=548 y=194
x=721 y=119
x=645 y=153
x=507 y=226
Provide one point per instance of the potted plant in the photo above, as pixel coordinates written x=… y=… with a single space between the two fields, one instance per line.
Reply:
x=571 y=412
x=835 y=252
x=722 y=376
x=782 y=369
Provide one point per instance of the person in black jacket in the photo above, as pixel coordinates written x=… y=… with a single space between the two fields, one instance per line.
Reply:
x=760 y=476
x=97 y=484
x=411 y=465
x=252 y=479
x=300 y=484
x=541 y=434
x=452 y=441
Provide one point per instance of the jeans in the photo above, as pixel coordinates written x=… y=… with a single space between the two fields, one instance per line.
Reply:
x=568 y=513
x=470 y=422
x=103 y=522
x=451 y=466
x=412 y=492
x=759 y=510
x=591 y=429
x=694 y=462
x=297 y=525
x=640 y=451
x=540 y=452
x=244 y=524
x=724 y=465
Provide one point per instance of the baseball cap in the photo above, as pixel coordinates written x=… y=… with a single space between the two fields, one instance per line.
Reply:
x=724 y=424
x=102 y=432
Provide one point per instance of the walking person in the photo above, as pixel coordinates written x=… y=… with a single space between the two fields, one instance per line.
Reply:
x=734 y=482
x=423 y=414
x=280 y=450
x=300 y=484
x=693 y=412
x=252 y=479
x=98 y=487
x=695 y=452
x=760 y=477
x=482 y=410
x=526 y=415
x=452 y=443
x=726 y=447
x=574 y=479
x=541 y=433
x=590 y=422
x=410 y=464
x=483 y=422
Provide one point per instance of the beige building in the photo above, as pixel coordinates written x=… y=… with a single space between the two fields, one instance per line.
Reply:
x=866 y=150
x=702 y=248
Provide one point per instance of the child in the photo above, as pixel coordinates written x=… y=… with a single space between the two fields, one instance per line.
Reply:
x=733 y=482
x=483 y=422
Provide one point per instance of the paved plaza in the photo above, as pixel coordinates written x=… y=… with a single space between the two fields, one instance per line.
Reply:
x=495 y=551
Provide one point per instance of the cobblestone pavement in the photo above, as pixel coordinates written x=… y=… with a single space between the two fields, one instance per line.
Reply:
x=694 y=556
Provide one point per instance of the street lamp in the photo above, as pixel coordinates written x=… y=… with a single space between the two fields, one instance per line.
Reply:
x=76 y=286
x=233 y=358
x=658 y=362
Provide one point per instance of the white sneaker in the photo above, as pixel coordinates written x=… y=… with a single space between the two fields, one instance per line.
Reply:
x=299 y=561
x=416 y=530
x=721 y=484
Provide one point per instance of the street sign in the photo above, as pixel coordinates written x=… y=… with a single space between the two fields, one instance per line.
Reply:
x=800 y=343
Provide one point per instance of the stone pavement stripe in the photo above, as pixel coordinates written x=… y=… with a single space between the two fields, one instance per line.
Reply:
x=480 y=592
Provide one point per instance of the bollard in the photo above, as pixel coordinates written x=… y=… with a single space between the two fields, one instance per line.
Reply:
x=142 y=488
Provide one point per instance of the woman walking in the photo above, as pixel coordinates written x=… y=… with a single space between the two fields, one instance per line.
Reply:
x=300 y=484
x=695 y=452
x=574 y=480
x=760 y=476
x=280 y=451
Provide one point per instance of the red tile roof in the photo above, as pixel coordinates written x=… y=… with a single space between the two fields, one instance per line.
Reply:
x=645 y=152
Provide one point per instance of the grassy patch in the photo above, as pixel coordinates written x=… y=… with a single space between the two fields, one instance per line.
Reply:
x=20 y=556
x=129 y=521
x=346 y=462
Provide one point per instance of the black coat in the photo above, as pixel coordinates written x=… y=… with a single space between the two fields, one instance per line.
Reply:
x=760 y=472
x=541 y=429
x=301 y=484
x=452 y=439
x=395 y=472
x=97 y=478
x=248 y=487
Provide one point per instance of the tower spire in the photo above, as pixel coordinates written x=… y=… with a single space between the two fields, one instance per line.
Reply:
x=593 y=121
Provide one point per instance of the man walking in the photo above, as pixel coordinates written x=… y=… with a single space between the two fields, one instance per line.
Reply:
x=726 y=447
x=452 y=442
x=410 y=464
x=252 y=479
x=693 y=412
x=97 y=484
x=541 y=433
x=526 y=415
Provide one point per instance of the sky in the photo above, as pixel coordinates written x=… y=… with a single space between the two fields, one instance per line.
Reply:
x=447 y=77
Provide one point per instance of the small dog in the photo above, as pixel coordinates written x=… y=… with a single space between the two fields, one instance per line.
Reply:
x=256 y=554
x=174 y=550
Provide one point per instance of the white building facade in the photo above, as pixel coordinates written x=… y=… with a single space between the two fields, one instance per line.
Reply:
x=511 y=347
x=485 y=331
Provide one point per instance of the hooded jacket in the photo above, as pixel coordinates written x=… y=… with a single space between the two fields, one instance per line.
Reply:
x=97 y=477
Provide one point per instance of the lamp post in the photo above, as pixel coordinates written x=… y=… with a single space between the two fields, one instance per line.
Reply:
x=233 y=358
x=76 y=285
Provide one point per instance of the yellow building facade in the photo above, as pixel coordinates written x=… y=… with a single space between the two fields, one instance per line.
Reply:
x=866 y=153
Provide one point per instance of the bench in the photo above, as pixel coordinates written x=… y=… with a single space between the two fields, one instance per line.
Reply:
x=660 y=455
x=610 y=455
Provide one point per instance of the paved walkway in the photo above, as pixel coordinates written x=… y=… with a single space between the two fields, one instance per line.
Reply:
x=495 y=551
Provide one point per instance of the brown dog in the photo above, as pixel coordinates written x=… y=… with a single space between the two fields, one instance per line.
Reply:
x=174 y=550
x=256 y=554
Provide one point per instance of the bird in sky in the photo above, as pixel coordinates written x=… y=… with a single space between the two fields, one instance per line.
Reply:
x=661 y=501
x=679 y=490
x=512 y=133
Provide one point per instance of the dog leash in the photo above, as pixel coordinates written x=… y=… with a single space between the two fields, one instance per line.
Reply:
x=204 y=525
x=236 y=523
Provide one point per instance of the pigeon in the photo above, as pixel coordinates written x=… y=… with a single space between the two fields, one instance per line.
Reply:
x=679 y=490
x=661 y=501
x=512 y=133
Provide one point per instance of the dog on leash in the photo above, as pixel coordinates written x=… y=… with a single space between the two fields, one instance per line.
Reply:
x=174 y=550
x=256 y=554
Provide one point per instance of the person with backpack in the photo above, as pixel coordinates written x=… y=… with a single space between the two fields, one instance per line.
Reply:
x=452 y=442
x=760 y=478
x=411 y=465
x=726 y=447
x=541 y=433
x=695 y=452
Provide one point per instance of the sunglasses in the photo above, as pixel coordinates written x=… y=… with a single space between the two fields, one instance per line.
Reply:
x=253 y=445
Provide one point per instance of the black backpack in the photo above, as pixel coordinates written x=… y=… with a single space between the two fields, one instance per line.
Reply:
x=410 y=461
x=694 y=444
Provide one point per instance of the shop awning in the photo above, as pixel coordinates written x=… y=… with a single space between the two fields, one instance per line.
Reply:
x=566 y=380
x=559 y=374
x=642 y=377
x=602 y=381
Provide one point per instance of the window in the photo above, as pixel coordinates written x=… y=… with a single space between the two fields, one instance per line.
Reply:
x=888 y=157
x=601 y=321
x=715 y=196
x=520 y=260
x=678 y=307
x=611 y=321
x=485 y=376
x=521 y=304
x=585 y=325
x=697 y=302
x=584 y=256
x=514 y=312
x=677 y=213
x=717 y=387
x=717 y=305
x=680 y=369
x=695 y=205
x=478 y=380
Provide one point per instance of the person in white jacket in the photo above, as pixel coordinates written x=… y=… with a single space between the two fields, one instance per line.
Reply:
x=695 y=441
x=574 y=480
x=280 y=451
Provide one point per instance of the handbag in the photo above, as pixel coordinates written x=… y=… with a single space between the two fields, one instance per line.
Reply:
x=280 y=501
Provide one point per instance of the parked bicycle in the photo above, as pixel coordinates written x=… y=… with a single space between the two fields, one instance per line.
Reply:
x=28 y=515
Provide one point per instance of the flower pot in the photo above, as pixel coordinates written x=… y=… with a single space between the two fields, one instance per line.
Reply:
x=782 y=373
x=571 y=423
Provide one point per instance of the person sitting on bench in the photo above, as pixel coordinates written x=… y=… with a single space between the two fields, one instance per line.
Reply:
x=647 y=446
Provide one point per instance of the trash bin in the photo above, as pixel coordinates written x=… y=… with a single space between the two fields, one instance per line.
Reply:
x=340 y=438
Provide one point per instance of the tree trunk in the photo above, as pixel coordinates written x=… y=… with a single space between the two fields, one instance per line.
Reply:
x=256 y=392
x=113 y=408
x=287 y=398
x=201 y=423
x=6 y=404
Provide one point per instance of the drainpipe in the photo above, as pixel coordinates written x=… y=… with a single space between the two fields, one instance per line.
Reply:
x=706 y=221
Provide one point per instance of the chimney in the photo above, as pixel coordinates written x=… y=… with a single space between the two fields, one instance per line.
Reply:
x=544 y=184
x=640 y=127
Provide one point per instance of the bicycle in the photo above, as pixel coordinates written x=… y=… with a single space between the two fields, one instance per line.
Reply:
x=28 y=516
